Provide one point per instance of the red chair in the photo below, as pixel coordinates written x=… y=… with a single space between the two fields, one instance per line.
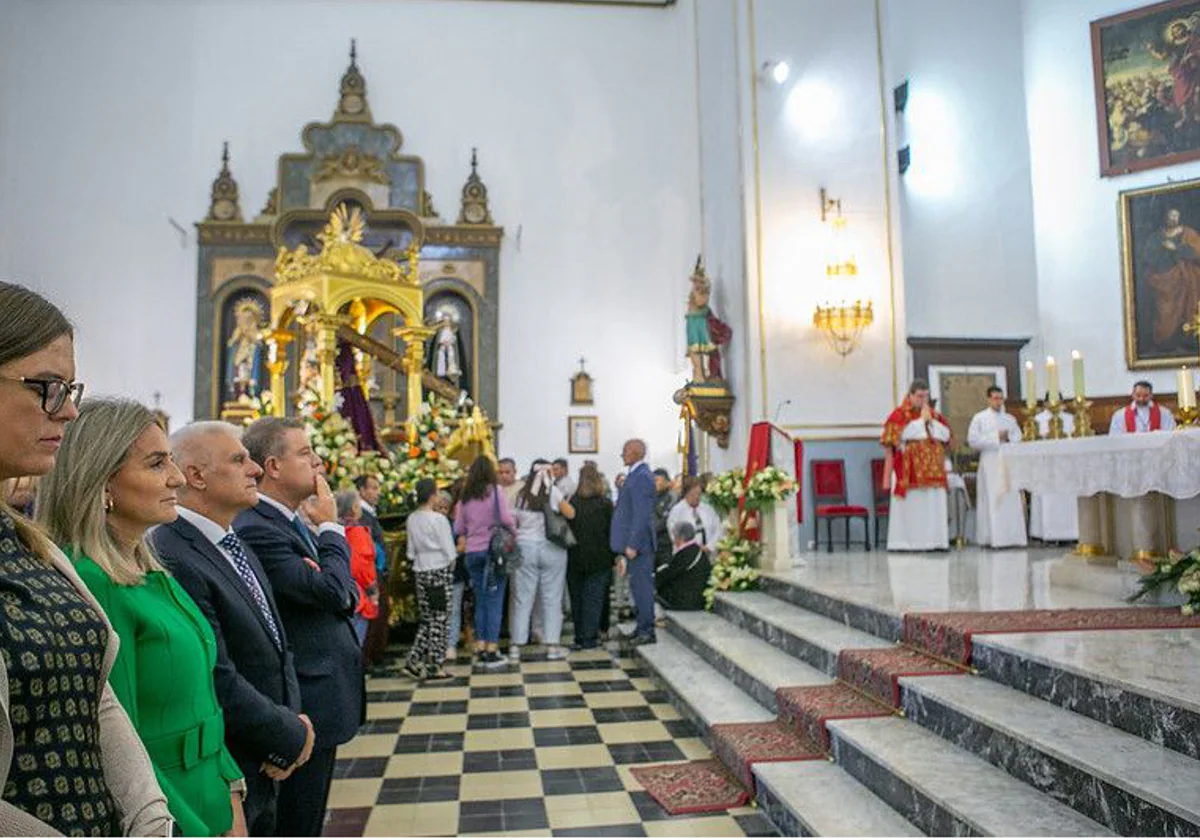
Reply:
x=883 y=495
x=829 y=499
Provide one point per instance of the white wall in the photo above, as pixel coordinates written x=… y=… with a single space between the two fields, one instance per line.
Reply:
x=111 y=120
x=966 y=203
x=821 y=127
x=1076 y=217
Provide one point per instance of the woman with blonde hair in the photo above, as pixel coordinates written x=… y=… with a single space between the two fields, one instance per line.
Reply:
x=54 y=633
x=114 y=480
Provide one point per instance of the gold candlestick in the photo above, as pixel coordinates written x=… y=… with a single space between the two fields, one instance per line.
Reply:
x=1188 y=418
x=1081 y=410
x=1056 y=421
x=1029 y=429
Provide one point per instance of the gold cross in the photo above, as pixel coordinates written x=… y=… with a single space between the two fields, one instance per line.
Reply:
x=1193 y=326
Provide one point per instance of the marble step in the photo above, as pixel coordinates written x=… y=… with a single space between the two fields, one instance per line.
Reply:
x=754 y=666
x=1144 y=682
x=1117 y=779
x=861 y=615
x=805 y=635
x=820 y=799
x=700 y=692
x=944 y=790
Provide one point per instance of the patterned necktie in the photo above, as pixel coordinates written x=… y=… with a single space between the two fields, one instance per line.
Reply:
x=306 y=535
x=241 y=563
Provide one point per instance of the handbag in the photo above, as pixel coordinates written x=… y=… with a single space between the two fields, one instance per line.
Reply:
x=558 y=530
x=503 y=551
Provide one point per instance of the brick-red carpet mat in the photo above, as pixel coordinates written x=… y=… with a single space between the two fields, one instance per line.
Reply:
x=948 y=635
x=807 y=708
x=739 y=745
x=693 y=787
x=876 y=672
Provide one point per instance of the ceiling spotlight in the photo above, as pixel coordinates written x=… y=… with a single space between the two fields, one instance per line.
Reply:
x=904 y=159
x=900 y=96
x=776 y=71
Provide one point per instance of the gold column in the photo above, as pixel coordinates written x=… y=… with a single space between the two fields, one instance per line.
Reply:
x=327 y=327
x=277 y=364
x=414 y=338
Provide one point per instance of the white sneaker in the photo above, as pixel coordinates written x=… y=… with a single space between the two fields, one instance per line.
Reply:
x=497 y=661
x=514 y=653
x=556 y=652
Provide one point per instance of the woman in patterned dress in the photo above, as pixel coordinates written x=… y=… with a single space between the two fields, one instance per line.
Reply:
x=113 y=480
x=70 y=762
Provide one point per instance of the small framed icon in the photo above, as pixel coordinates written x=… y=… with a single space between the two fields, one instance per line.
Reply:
x=583 y=435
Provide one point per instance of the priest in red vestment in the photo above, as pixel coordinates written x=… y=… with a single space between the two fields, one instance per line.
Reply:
x=917 y=438
x=1141 y=415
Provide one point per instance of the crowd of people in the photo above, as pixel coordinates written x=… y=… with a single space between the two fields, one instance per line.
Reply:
x=183 y=649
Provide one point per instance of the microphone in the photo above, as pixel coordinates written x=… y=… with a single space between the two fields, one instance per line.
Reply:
x=780 y=408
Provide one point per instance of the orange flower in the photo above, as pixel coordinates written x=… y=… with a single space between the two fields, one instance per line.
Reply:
x=414 y=451
x=433 y=456
x=433 y=435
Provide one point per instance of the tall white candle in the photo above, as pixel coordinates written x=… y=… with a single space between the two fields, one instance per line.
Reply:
x=1052 y=378
x=1187 y=389
x=1030 y=385
x=1077 y=373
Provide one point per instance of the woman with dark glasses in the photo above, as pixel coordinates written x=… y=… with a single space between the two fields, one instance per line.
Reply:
x=74 y=764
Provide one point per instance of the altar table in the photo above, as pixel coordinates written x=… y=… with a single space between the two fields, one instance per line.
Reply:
x=1138 y=493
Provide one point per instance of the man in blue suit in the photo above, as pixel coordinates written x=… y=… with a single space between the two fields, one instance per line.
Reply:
x=316 y=594
x=632 y=536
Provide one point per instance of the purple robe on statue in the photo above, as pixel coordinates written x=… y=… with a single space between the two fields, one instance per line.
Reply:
x=354 y=401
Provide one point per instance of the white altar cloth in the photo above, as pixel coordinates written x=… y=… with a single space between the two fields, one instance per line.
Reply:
x=1129 y=466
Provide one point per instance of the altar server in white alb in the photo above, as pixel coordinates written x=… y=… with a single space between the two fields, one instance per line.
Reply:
x=1141 y=415
x=916 y=437
x=999 y=512
x=1054 y=517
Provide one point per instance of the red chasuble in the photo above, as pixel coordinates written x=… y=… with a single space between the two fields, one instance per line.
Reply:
x=922 y=463
x=1155 y=418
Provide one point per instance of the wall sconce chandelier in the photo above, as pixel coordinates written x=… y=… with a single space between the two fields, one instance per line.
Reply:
x=843 y=323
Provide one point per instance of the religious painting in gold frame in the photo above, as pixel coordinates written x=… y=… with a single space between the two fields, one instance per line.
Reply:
x=583 y=435
x=1160 y=266
x=1146 y=80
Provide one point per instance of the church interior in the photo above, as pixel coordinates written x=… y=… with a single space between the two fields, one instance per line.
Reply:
x=908 y=291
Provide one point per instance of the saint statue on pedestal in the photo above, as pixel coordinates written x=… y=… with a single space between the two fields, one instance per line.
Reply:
x=244 y=359
x=445 y=350
x=706 y=333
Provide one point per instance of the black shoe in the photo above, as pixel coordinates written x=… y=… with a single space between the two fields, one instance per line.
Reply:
x=643 y=639
x=576 y=647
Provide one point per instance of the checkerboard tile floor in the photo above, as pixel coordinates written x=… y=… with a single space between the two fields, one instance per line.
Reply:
x=540 y=750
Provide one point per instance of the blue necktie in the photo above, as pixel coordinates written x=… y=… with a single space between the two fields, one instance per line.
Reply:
x=305 y=535
x=241 y=564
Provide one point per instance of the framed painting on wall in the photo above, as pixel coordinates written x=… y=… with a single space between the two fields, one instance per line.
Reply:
x=583 y=435
x=1160 y=264
x=1146 y=65
x=961 y=391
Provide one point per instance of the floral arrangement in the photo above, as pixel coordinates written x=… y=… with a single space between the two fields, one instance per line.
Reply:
x=263 y=406
x=768 y=486
x=724 y=491
x=1179 y=570
x=733 y=569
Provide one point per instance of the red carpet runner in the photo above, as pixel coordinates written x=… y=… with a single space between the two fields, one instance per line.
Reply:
x=948 y=635
x=807 y=708
x=739 y=745
x=693 y=787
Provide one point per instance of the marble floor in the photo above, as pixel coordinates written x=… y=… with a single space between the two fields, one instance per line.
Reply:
x=539 y=749
x=971 y=579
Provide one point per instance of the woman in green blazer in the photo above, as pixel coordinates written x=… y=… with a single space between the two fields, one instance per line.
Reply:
x=113 y=480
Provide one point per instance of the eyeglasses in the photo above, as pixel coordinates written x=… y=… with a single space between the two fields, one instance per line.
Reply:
x=54 y=392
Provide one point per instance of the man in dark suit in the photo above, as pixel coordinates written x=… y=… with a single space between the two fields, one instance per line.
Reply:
x=681 y=580
x=369 y=490
x=254 y=677
x=632 y=536
x=310 y=575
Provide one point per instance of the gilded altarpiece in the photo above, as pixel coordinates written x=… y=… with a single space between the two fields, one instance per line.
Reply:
x=350 y=160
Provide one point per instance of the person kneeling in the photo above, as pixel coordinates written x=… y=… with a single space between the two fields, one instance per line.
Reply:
x=681 y=581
